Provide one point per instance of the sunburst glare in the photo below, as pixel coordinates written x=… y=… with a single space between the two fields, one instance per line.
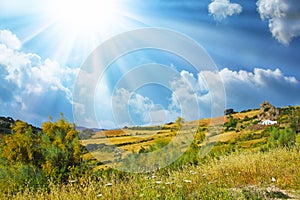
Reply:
x=86 y=15
x=82 y=25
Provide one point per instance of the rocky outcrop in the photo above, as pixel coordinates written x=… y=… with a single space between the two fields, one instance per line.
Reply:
x=268 y=111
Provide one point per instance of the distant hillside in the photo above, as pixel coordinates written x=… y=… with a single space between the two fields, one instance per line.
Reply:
x=236 y=131
x=6 y=124
x=82 y=128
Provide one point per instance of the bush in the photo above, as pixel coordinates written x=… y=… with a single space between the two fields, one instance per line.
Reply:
x=281 y=137
x=231 y=125
x=32 y=158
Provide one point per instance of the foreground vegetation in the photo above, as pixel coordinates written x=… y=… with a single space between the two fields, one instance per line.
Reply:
x=240 y=176
x=232 y=159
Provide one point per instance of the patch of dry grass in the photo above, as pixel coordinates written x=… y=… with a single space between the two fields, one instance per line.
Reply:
x=257 y=168
x=212 y=180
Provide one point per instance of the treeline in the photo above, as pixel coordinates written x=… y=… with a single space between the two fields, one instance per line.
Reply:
x=6 y=124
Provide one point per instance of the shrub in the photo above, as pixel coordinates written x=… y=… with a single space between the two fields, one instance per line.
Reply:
x=54 y=153
x=285 y=137
x=231 y=125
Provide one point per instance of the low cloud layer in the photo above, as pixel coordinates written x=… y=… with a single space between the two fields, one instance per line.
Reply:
x=244 y=89
x=283 y=17
x=248 y=89
x=221 y=9
x=131 y=108
x=192 y=99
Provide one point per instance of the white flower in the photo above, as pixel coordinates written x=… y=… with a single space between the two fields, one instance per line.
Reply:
x=169 y=183
x=158 y=182
x=99 y=195
x=187 y=181
x=273 y=179
x=192 y=172
x=108 y=184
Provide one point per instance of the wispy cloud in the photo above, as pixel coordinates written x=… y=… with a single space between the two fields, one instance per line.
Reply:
x=221 y=9
x=283 y=17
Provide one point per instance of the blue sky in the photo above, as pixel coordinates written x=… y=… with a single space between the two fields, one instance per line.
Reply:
x=254 y=44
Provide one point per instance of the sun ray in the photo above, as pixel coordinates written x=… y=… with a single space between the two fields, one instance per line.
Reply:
x=85 y=15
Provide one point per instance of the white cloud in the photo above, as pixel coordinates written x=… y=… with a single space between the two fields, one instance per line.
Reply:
x=283 y=17
x=131 y=108
x=221 y=9
x=31 y=74
x=194 y=96
x=26 y=76
x=243 y=90
x=10 y=40
x=190 y=98
x=248 y=89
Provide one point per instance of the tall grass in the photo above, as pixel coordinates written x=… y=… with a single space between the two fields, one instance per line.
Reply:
x=214 y=179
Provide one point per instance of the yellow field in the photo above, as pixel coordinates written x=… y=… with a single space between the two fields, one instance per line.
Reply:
x=133 y=139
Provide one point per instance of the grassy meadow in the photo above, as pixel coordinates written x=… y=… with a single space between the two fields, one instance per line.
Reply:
x=244 y=175
x=230 y=157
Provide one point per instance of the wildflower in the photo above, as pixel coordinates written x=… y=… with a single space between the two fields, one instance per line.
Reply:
x=169 y=183
x=192 y=172
x=187 y=181
x=99 y=195
x=204 y=175
x=273 y=179
x=158 y=182
x=108 y=184
x=154 y=176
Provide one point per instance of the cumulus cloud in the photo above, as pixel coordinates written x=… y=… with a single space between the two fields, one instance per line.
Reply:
x=244 y=89
x=10 y=40
x=283 y=17
x=190 y=96
x=193 y=96
x=221 y=9
x=189 y=99
x=131 y=108
x=26 y=77
x=248 y=89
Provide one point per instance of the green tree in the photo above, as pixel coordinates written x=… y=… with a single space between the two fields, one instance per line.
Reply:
x=200 y=135
x=281 y=137
x=21 y=146
x=295 y=120
x=179 y=122
x=231 y=124
x=60 y=147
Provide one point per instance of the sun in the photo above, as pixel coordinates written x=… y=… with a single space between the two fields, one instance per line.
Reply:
x=85 y=15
